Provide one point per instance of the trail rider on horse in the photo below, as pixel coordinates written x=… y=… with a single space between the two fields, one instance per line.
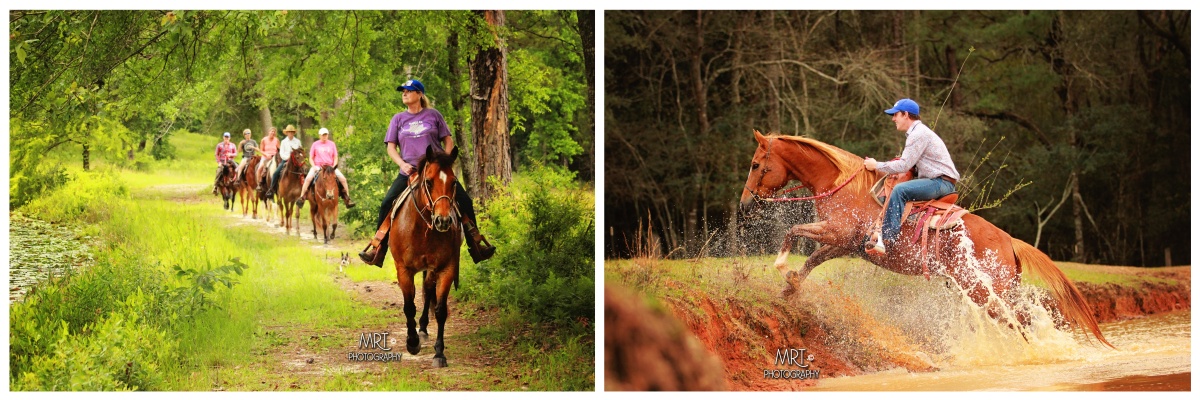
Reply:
x=410 y=133
x=226 y=151
x=248 y=147
x=323 y=153
x=289 y=143
x=936 y=175
x=270 y=147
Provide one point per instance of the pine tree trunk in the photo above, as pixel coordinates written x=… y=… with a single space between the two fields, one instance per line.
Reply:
x=586 y=23
x=489 y=111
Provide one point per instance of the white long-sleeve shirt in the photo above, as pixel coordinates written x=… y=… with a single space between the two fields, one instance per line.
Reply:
x=924 y=149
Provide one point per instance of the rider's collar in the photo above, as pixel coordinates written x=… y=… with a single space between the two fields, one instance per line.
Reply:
x=913 y=127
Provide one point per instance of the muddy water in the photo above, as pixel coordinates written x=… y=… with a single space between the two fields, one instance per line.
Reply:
x=1153 y=354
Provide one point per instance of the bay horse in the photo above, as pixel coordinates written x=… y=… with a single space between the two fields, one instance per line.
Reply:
x=324 y=198
x=249 y=187
x=846 y=211
x=425 y=236
x=290 y=180
x=227 y=185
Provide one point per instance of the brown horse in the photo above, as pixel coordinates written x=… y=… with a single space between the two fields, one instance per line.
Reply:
x=227 y=184
x=290 y=180
x=324 y=198
x=425 y=237
x=848 y=211
x=249 y=187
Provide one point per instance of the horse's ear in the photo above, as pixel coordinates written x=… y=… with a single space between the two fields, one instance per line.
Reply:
x=758 y=136
x=453 y=154
x=429 y=152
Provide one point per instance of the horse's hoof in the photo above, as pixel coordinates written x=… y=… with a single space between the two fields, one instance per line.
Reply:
x=439 y=362
x=414 y=345
x=424 y=335
x=789 y=290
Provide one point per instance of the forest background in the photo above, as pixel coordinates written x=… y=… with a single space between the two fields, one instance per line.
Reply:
x=1070 y=128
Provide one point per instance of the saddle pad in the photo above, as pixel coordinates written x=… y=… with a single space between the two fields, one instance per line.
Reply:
x=400 y=200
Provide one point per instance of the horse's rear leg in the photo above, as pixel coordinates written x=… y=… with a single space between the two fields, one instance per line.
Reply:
x=429 y=296
x=823 y=254
x=444 y=281
x=410 y=310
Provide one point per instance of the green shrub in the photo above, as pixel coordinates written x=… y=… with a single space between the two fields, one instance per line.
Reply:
x=30 y=183
x=543 y=226
x=120 y=353
x=89 y=197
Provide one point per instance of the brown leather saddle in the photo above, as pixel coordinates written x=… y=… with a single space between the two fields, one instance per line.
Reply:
x=931 y=215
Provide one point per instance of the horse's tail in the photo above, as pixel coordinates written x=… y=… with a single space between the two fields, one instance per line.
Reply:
x=1072 y=304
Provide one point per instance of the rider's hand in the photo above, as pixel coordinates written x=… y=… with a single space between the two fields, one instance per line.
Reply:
x=869 y=164
x=408 y=168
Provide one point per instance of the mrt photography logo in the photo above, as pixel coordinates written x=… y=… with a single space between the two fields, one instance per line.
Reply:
x=792 y=364
x=374 y=346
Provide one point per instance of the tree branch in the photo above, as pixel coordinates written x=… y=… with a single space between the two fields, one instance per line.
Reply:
x=1008 y=116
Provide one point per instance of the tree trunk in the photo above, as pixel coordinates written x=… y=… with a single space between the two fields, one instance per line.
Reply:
x=489 y=110
x=87 y=155
x=586 y=22
x=264 y=115
x=456 y=102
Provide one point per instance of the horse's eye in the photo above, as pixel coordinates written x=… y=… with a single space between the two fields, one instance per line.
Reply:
x=754 y=166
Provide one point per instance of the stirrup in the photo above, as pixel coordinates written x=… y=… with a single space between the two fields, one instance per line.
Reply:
x=875 y=246
x=372 y=257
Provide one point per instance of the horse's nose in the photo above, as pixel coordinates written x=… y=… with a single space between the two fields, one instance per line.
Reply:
x=442 y=223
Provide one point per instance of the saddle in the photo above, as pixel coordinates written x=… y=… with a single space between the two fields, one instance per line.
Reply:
x=931 y=216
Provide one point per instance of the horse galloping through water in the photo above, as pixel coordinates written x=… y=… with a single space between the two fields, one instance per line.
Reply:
x=324 y=197
x=227 y=185
x=425 y=236
x=249 y=187
x=846 y=212
x=290 y=180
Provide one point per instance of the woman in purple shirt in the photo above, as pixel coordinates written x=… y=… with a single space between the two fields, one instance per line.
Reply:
x=409 y=134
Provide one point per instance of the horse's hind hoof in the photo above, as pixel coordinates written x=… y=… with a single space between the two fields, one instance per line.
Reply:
x=440 y=362
x=424 y=335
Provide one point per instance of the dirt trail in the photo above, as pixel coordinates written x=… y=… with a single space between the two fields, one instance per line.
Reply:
x=322 y=354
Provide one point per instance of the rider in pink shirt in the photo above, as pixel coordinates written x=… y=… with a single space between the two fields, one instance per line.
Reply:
x=324 y=153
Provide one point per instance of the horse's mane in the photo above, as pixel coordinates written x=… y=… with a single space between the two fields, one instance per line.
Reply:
x=847 y=163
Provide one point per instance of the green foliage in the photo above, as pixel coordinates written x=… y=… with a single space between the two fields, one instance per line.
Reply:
x=543 y=227
x=31 y=183
x=195 y=293
x=88 y=198
x=121 y=352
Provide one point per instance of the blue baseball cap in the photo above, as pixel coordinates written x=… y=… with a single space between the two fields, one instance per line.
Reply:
x=411 y=84
x=906 y=105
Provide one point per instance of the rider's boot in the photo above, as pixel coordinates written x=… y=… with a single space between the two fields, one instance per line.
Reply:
x=375 y=251
x=477 y=246
x=342 y=187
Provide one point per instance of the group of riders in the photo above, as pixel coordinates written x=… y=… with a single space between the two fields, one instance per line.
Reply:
x=410 y=133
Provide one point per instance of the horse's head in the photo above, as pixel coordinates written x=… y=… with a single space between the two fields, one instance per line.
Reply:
x=767 y=173
x=437 y=180
x=296 y=160
x=327 y=183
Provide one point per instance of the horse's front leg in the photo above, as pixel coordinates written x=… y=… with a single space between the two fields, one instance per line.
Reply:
x=410 y=310
x=442 y=309
x=811 y=230
x=430 y=294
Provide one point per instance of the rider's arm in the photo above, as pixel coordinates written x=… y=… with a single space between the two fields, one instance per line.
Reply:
x=393 y=151
x=914 y=147
x=448 y=143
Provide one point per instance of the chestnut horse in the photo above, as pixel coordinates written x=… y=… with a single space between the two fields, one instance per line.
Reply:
x=290 y=180
x=324 y=198
x=249 y=186
x=227 y=184
x=425 y=236
x=846 y=211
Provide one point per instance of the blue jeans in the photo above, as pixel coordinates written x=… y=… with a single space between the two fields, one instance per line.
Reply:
x=914 y=190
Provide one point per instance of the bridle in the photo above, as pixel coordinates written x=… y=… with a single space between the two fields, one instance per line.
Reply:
x=425 y=187
x=773 y=199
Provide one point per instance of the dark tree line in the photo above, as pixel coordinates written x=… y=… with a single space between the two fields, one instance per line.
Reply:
x=1071 y=128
